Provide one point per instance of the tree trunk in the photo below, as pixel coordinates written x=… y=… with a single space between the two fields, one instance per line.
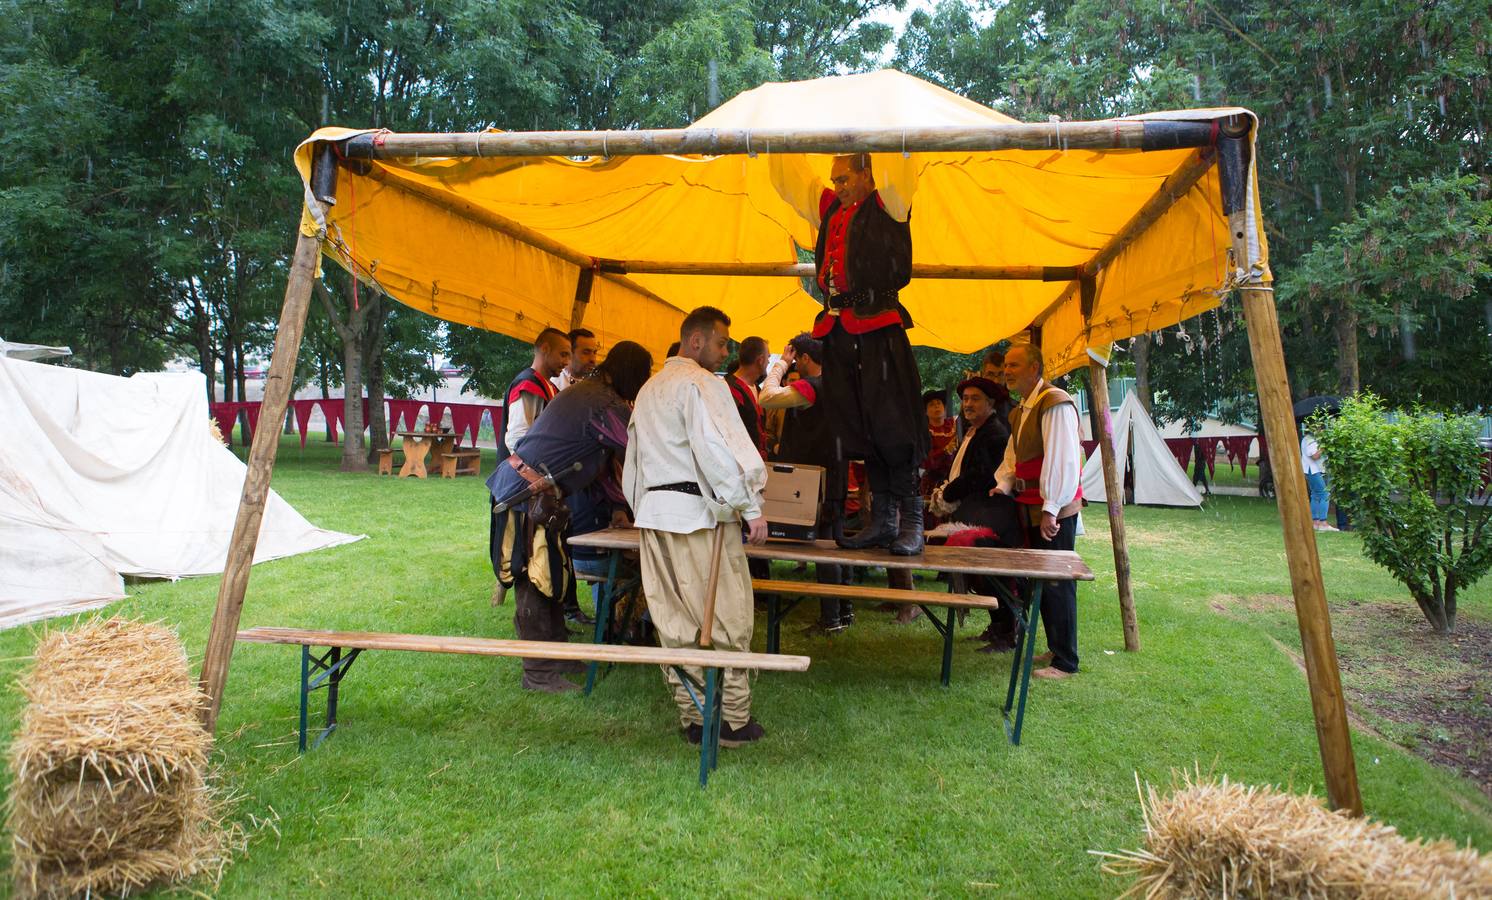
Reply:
x=352 y=407
x=378 y=422
x=1348 y=378
x=1140 y=349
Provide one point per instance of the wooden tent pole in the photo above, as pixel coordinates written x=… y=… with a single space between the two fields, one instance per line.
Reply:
x=583 y=284
x=277 y=388
x=1322 y=674
x=1110 y=134
x=1098 y=380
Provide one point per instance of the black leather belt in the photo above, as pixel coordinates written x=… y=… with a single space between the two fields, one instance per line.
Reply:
x=681 y=487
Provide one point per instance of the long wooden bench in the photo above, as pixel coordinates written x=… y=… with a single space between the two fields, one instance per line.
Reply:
x=783 y=596
x=778 y=608
x=328 y=669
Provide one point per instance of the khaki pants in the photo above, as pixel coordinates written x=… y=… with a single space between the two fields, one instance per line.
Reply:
x=675 y=574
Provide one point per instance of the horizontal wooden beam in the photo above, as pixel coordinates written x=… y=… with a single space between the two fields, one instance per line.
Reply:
x=1109 y=134
x=806 y=270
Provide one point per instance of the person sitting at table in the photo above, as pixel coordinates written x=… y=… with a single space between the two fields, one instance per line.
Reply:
x=808 y=439
x=942 y=430
x=531 y=390
x=578 y=440
x=963 y=499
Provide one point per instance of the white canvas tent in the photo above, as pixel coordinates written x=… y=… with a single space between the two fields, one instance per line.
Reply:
x=1158 y=480
x=102 y=477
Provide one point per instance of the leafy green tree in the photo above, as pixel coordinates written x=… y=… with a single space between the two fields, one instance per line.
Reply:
x=1417 y=487
x=1414 y=264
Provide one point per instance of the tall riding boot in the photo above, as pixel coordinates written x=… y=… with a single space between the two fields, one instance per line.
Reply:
x=882 y=528
x=909 y=539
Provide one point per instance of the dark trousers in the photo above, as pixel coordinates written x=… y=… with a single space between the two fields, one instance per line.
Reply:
x=538 y=618
x=873 y=394
x=1059 y=599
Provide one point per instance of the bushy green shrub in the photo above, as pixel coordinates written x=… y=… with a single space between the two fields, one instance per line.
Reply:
x=1415 y=487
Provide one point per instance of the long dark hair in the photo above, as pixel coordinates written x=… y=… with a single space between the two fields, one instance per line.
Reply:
x=627 y=367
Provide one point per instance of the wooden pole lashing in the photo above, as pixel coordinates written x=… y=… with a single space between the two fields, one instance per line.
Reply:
x=1098 y=378
x=277 y=387
x=1328 y=703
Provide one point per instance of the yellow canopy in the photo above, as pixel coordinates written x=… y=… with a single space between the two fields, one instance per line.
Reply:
x=439 y=234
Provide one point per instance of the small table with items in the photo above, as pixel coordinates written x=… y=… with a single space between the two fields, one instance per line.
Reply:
x=420 y=444
x=1032 y=567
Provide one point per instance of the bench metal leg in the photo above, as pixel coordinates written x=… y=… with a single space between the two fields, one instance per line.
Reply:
x=946 y=630
x=1020 y=668
x=710 y=706
x=331 y=668
x=778 y=609
x=603 y=615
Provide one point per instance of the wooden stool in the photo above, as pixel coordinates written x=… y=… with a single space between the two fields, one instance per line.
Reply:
x=385 y=462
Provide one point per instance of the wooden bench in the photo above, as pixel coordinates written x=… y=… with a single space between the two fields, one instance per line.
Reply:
x=461 y=462
x=386 y=462
x=778 y=608
x=330 y=668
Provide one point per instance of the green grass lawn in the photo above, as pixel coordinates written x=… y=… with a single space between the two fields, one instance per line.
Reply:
x=445 y=779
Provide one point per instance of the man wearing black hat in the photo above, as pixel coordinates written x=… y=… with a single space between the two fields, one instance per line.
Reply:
x=965 y=500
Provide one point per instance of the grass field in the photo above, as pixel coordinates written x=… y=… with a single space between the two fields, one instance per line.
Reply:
x=445 y=779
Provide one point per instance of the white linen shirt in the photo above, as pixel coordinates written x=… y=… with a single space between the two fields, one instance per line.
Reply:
x=685 y=428
x=1062 y=445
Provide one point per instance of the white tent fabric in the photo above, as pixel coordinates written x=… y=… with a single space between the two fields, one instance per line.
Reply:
x=1158 y=481
x=16 y=350
x=102 y=477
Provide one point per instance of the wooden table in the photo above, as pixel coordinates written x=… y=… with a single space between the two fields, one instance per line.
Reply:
x=420 y=444
x=1032 y=567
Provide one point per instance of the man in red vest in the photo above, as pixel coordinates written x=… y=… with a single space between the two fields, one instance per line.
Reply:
x=1042 y=470
x=872 y=389
x=531 y=390
x=751 y=365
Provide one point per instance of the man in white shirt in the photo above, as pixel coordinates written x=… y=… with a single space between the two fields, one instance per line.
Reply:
x=690 y=469
x=1042 y=470
x=583 y=352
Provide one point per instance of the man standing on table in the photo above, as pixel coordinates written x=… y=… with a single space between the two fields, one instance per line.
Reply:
x=872 y=389
x=1042 y=470
x=691 y=469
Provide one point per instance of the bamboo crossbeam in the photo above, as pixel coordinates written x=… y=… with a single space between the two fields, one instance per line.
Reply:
x=806 y=270
x=1108 y=134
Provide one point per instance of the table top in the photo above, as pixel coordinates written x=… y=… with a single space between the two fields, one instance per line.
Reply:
x=1049 y=565
x=426 y=435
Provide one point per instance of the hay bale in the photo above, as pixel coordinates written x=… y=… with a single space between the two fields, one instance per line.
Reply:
x=1214 y=838
x=109 y=767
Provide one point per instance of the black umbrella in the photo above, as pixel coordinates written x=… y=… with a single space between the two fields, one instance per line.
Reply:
x=1306 y=408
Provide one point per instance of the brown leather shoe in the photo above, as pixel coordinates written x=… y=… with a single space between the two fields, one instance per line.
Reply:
x=749 y=733
x=1042 y=659
x=907 y=614
x=997 y=644
x=1053 y=673
x=694 y=733
x=549 y=683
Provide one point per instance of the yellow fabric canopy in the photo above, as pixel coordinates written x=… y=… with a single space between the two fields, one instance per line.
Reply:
x=424 y=229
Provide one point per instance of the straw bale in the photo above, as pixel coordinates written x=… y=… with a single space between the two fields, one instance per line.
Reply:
x=111 y=788
x=1213 y=838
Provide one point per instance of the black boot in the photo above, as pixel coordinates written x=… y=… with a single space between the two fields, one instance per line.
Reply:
x=882 y=528
x=909 y=538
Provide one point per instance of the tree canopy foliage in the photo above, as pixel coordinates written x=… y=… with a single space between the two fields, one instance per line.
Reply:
x=146 y=195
